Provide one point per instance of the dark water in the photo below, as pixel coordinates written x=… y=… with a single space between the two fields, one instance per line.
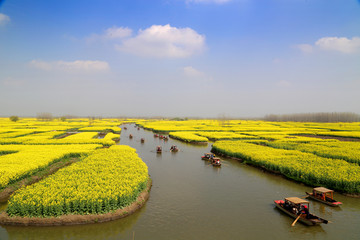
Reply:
x=190 y=199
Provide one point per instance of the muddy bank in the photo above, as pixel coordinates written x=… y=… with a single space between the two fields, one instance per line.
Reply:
x=79 y=219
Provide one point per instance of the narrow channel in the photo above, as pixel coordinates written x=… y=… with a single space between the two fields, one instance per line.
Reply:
x=191 y=199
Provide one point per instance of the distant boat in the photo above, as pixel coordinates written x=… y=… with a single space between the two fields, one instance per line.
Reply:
x=158 y=149
x=174 y=148
x=216 y=162
x=324 y=195
x=208 y=156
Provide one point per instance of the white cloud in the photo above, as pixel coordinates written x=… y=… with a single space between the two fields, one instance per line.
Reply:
x=164 y=42
x=337 y=44
x=117 y=33
x=208 y=1
x=341 y=44
x=305 y=48
x=113 y=33
x=4 y=19
x=75 y=66
x=194 y=74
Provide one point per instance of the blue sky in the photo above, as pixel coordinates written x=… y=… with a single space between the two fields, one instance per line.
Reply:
x=187 y=58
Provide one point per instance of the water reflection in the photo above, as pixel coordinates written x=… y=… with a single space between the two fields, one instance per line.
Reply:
x=110 y=230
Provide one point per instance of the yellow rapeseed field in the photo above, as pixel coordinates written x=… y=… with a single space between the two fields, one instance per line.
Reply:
x=108 y=179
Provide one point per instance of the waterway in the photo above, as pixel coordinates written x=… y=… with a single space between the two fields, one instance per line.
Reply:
x=190 y=199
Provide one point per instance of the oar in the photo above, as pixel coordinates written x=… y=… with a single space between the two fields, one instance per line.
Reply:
x=293 y=224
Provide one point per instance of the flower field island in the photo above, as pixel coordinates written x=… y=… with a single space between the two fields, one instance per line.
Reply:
x=64 y=173
x=104 y=182
x=300 y=166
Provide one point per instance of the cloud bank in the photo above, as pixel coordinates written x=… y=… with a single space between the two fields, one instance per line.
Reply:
x=334 y=44
x=164 y=42
x=75 y=66
x=157 y=41
x=341 y=44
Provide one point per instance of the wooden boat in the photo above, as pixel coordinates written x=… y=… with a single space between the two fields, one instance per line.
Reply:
x=174 y=148
x=166 y=138
x=294 y=206
x=125 y=128
x=324 y=195
x=208 y=156
x=138 y=128
x=158 y=149
x=156 y=135
x=142 y=140
x=216 y=162
x=130 y=136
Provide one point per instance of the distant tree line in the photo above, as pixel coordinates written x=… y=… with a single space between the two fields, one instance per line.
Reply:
x=314 y=117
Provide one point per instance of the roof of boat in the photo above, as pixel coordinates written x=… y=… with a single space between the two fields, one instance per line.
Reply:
x=322 y=189
x=296 y=200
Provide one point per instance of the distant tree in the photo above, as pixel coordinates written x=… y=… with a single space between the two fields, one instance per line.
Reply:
x=14 y=118
x=91 y=120
x=45 y=116
x=223 y=119
x=63 y=119
x=314 y=117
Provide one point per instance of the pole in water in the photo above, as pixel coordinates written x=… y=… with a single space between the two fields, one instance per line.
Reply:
x=293 y=224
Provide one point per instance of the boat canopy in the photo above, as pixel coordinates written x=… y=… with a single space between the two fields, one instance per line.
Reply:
x=297 y=200
x=322 y=190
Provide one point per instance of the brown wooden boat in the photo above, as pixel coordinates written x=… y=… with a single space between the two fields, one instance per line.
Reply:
x=142 y=140
x=158 y=149
x=174 y=148
x=294 y=206
x=130 y=136
x=125 y=128
x=324 y=195
x=208 y=156
x=216 y=162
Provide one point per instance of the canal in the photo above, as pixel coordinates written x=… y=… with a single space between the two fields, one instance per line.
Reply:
x=190 y=199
